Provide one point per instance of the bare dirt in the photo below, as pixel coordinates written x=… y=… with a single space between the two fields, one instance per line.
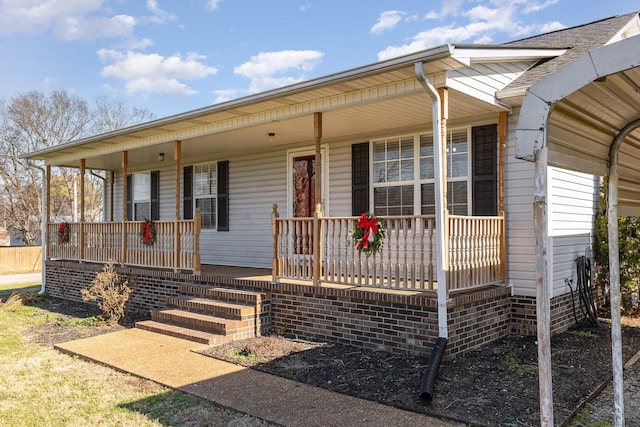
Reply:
x=496 y=385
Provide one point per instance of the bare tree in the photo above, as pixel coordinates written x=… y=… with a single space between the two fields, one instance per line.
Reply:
x=32 y=121
x=114 y=113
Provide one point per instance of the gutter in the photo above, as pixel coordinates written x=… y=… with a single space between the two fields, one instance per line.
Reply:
x=439 y=195
x=439 y=52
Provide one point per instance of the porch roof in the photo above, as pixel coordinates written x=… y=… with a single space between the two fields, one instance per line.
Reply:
x=358 y=103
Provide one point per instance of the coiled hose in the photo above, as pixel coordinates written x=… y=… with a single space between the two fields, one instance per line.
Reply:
x=584 y=289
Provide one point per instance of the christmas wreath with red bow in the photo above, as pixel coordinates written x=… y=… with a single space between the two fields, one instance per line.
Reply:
x=63 y=233
x=369 y=234
x=148 y=232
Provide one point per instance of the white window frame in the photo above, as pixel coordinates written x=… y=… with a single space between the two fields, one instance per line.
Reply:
x=136 y=178
x=417 y=180
x=213 y=196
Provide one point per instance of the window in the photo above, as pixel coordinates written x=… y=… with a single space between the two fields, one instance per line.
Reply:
x=457 y=155
x=205 y=192
x=404 y=177
x=143 y=196
x=393 y=176
x=206 y=187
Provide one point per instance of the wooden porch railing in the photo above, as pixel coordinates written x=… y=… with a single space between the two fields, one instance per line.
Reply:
x=407 y=261
x=177 y=244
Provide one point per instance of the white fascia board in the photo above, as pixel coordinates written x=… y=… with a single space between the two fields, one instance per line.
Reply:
x=470 y=55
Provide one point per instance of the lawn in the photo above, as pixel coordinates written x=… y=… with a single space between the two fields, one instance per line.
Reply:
x=41 y=387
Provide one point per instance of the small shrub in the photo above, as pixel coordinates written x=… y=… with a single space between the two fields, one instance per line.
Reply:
x=110 y=291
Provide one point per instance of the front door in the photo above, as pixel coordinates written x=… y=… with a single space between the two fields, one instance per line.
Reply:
x=304 y=184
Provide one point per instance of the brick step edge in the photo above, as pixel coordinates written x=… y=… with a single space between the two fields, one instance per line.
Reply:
x=230 y=310
x=197 y=321
x=223 y=294
x=193 y=335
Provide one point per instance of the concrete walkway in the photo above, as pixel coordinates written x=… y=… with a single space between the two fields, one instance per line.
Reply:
x=18 y=279
x=173 y=363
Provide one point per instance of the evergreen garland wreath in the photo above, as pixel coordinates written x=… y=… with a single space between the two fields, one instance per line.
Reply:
x=369 y=234
x=148 y=232
x=63 y=233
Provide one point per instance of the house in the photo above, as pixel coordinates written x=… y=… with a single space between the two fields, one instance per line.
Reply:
x=276 y=181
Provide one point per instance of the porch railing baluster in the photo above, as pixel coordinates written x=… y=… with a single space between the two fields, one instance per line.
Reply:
x=121 y=242
x=407 y=260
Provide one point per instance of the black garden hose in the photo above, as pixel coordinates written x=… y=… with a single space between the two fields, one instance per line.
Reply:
x=584 y=289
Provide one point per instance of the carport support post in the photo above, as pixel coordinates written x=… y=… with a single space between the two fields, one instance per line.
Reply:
x=614 y=290
x=543 y=312
x=614 y=273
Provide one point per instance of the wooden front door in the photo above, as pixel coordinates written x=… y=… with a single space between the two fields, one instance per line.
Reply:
x=304 y=182
x=304 y=186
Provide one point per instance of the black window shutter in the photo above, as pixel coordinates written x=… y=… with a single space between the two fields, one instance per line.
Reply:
x=155 y=195
x=484 y=142
x=223 y=196
x=187 y=192
x=129 y=197
x=359 y=178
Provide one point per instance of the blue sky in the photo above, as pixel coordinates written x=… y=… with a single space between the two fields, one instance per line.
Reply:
x=175 y=56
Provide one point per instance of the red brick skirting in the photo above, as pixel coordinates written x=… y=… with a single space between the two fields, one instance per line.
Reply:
x=394 y=322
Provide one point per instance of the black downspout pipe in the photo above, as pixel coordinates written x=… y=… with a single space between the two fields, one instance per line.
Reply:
x=431 y=371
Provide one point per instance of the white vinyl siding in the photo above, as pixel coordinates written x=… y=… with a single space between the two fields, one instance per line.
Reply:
x=571 y=207
x=573 y=203
x=518 y=200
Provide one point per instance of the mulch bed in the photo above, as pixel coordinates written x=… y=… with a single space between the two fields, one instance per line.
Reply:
x=496 y=385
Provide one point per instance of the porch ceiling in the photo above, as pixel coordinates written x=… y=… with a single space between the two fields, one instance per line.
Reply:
x=587 y=104
x=361 y=103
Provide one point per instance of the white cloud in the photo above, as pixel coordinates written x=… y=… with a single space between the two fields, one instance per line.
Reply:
x=266 y=69
x=68 y=19
x=387 y=21
x=213 y=4
x=533 y=6
x=223 y=95
x=159 y=15
x=153 y=73
x=73 y=28
x=481 y=24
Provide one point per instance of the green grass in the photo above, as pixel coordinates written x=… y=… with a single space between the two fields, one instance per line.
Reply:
x=40 y=386
x=7 y=290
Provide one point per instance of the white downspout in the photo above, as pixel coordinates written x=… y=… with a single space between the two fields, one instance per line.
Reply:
x=43 y=232
x=443 y=330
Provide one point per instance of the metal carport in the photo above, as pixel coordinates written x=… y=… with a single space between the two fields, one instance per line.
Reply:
x=584 y=117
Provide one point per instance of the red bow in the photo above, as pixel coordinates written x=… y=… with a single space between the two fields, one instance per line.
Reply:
x=370 y=225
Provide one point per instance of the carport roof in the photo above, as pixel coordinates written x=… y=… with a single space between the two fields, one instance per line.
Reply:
x=576 y=112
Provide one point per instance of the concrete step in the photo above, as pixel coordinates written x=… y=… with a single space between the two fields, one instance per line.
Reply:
x=227 y=310
x=223 y=294
x=184 y=333
x=198 y=321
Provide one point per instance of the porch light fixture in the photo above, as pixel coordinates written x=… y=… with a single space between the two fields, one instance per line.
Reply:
x=161 y=157
x=271 y=136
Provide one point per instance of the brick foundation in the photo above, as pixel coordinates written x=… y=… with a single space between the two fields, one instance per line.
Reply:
x=523 y=321
x=394 y=322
